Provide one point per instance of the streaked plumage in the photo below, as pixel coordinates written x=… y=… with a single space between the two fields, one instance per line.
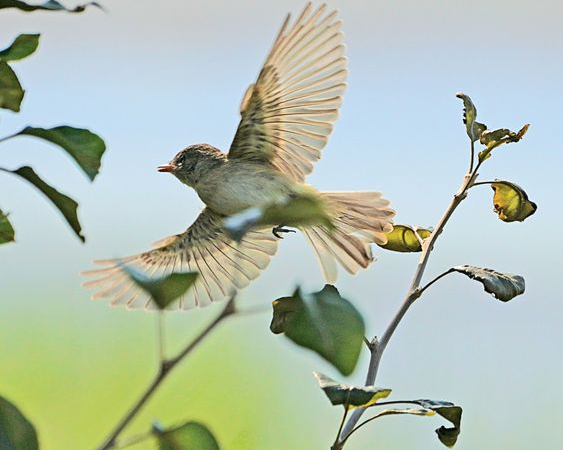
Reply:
x=286 y=118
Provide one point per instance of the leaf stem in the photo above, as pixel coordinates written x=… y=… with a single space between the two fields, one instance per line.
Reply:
x=430 y=283
x=166 y=366
x=5 y=138
x=337 y=445
x=472 y=153
x=412 y=294
x=483 y=182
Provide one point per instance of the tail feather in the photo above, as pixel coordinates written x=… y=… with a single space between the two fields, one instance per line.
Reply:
x=361 y=218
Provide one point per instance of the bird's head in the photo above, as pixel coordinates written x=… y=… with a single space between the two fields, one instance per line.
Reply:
x=193 y=162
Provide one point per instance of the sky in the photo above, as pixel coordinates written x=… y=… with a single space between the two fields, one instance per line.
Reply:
x=154 y=77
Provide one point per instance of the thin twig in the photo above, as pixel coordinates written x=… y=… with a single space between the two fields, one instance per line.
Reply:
x=160 y=337
x=165 y=368
x=412 y=294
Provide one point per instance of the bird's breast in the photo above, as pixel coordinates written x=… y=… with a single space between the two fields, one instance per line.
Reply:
x=238 y=186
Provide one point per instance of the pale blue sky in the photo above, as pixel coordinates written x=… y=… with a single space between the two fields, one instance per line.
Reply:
x=153 y=79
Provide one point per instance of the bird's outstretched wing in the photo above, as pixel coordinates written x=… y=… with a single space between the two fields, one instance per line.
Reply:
x=287 y=115
x=223 y=265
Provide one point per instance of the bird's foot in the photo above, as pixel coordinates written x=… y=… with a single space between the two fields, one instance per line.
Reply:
x=281 y=229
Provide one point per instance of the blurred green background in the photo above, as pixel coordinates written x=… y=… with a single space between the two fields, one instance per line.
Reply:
x=153 y=77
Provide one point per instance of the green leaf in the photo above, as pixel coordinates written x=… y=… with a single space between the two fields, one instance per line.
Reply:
x=403 y=239
x=16 y=432
x=473 y=128
x=85 y=147
x=11 y=92
x=162 y=290
x=348 y=395
x=503 y=286
x=66 y=205
x=305 y=209
x=511 y=202
x=323 y=322
x=23 y=46
x=495 y=138
x=412 y=411
x=7 y=233
x=189 y=436
x=450 y=412
x=50 y=5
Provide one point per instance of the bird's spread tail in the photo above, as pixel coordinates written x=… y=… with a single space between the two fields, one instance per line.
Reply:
x=360 y=218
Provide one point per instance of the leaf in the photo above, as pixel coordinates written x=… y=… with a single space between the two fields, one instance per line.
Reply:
x=403 y=239
x=412 y=411
x=348 y=395
x=323 y=322
x=50 y=5
x=305 y=209
x=473 y=128
x=162 y=290
x=511 y=202
x=23 y=46
x=503 y=286
x=66 y=205
x=495 y=138
x=16 y=432
x=85 y=147
x=7 y=233
x=189 y=436
x=11 y=92
x=449 y=411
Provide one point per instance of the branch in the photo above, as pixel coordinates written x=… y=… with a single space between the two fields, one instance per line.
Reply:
x=378 y=346
x=166 y=366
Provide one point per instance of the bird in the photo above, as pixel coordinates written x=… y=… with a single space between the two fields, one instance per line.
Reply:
x=287 y=115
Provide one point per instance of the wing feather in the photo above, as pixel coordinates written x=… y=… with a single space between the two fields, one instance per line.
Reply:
x=223 y=265
x=288 y=114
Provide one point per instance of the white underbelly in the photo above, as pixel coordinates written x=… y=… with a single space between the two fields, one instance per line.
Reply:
x=235 y=191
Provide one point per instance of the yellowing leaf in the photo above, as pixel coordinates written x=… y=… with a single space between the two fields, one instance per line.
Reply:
x=495 y=138
x=403 y=239
x=350 y=396
x=473 y=128
x=511 y=202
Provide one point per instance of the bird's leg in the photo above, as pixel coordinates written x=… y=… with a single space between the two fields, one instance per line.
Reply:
x=281 y=229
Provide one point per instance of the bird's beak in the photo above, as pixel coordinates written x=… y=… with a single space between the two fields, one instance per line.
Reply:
x=167 y=168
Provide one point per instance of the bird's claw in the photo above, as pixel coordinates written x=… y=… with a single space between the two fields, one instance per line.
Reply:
x=281 y=229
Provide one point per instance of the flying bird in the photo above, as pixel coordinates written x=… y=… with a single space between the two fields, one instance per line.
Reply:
x=286 y=118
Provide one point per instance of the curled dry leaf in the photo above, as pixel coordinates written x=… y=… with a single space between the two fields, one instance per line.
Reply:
x=511 y=202
x=503 y=286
